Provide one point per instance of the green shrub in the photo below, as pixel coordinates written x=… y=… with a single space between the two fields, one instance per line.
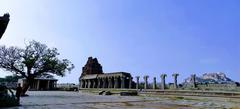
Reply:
x=7 y=101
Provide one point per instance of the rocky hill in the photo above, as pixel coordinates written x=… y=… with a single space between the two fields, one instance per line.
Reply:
x=218 y=77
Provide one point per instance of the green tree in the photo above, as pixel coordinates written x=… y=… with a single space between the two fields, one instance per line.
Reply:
x=35 y=60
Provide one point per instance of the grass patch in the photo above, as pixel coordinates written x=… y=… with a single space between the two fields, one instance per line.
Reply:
x=176 y=98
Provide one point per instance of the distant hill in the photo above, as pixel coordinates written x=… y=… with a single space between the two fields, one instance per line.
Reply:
x=219 y=78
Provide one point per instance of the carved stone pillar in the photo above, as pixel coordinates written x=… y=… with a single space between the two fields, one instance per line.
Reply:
x=154 y=82
x=163 y=76
x=83 y=84
x=175 y=75
x=89 y=83
x=104 y=83
x=137 y=84
x=109 y=82
x=86 y=84
x=130 y=82
x=122 y=82
x=94 y=83
x=193 y=79
x=116 y=84
x=55 y=84
x=145 y=82
x=80 y=83
x=38 y=83
x=99 y=83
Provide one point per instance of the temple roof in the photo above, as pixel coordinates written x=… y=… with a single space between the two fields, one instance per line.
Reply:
x=113 y=74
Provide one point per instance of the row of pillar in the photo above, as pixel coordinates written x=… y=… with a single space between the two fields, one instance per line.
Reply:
x=49 y=84
x=106 y=82
x=163 y=85
x=119 y=82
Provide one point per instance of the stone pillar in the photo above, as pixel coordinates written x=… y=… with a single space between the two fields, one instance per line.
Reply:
x=86 y=84
x=175 y=75
x=116 y=84
x=80 y=83
x=122 y=82
x=145 y=82
x=137 y=84
x=89 y=84
x=104 y=83
x=38 y=82
x=83 y=83
x=99 y=83
x=109 y=82
x=54 y=83
x=48 y=81
x=130 y=82
x=154 y=82
x=163 y=81
x=193 y=80
x=94 y=84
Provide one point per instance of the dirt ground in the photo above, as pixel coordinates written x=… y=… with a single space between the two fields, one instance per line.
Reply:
x=76 y=100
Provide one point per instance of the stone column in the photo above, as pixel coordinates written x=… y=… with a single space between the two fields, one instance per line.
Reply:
x=104 y=82
x=80 y=83
x=175 y=75
x=48 y=81
x=83 y=84
x=94 y=84
x=99 y=83
x=89 y=83
x=193 y=80
x=116 y=82
x=109 y=82
x=145 y=82
x=130 y=82
x=38 y=82
x=163 y=81
x=154 y=82
x=86 y=84
x=55 y=84
x=137 y=84
x=122 y=82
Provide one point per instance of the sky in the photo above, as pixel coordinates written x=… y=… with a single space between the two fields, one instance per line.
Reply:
x=136 y=36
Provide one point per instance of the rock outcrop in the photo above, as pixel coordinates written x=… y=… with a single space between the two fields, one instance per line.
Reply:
x=219 y=78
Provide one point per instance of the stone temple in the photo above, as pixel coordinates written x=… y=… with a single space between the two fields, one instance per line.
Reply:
x=3 y=23
x=93 y=77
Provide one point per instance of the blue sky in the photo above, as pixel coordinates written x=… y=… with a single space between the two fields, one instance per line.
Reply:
x=137 y=36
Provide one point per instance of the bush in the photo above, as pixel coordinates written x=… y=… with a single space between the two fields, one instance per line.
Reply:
x=7 y=101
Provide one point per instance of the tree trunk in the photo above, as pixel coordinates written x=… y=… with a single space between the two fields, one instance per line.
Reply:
x=26 y=86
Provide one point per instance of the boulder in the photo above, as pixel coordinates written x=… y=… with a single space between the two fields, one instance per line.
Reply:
x=130 y=93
